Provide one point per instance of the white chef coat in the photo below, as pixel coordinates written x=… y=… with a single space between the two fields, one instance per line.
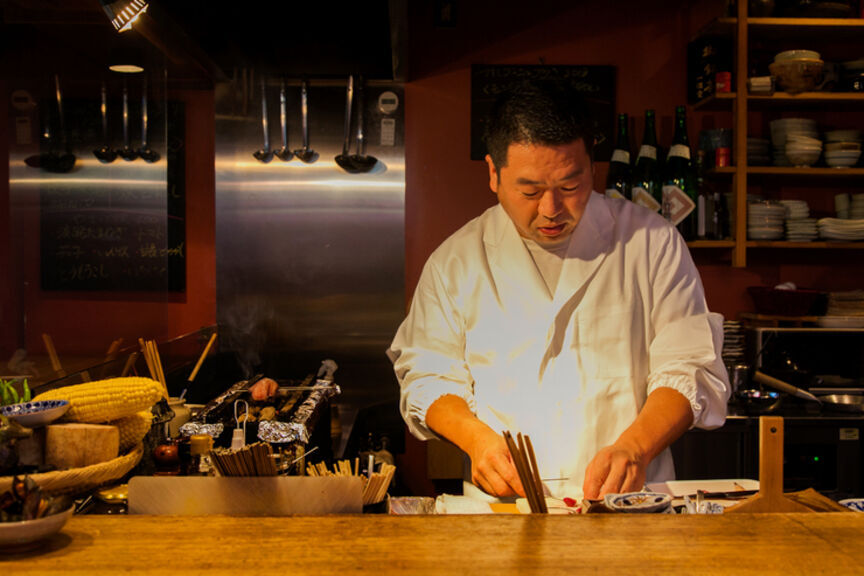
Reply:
x=570 y=369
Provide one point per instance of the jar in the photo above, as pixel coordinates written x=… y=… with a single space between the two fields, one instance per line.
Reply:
x=199 y=455
x=182 y=414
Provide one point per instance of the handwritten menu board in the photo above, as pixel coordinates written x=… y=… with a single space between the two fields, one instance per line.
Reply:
x=123 y=232
x=595 y=83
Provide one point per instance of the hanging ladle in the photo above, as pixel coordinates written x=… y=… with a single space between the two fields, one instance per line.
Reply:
x=344 y=159
x=264 y=154
x=283 y=153
x=51 y=161
x=305 y=154
x=127 y=152
x=105 y=154
x=361 y=161
x=146 y=153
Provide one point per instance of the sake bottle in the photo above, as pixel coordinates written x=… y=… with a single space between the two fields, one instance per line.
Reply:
x=679 y=186
x=618 y=182
x=647 y=189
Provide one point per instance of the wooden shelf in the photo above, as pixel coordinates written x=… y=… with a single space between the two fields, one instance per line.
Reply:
x=806 y=98
x=820 y=245
x=718 y=27
x=718 y=101
x=815 y=171
x=828 y=29
x=711 y=244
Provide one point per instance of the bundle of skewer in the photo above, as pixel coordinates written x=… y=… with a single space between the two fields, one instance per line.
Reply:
x=251 y=460
x=154 y=363
x=529 y=474
x=376 y=484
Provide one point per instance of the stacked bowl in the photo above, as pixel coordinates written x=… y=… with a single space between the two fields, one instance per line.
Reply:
x=797 y=70
x=804 y=136
x=765 y=220
x=842 y=148
x=799 y=226
x=856 y=207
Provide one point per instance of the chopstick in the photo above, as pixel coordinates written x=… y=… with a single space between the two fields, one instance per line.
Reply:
x=376 y=483
x=154 y=363
x=203 y=356
x=528 y=471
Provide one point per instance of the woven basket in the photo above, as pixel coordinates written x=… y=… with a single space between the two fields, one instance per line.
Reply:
x=76 y=480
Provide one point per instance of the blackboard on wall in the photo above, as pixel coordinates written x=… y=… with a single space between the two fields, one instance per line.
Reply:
x=118 y=234
x=595 y=83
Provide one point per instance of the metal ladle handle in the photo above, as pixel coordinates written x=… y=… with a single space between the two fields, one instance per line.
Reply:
x=104 y=110
x=144 y=135
x=60 y=112
x=283 y=115
x=304 y=112
x=125 y=115
x=264 y=125
x=360 y=117
x=348 y=100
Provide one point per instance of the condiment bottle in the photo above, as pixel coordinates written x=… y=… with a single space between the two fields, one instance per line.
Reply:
x=199 y=451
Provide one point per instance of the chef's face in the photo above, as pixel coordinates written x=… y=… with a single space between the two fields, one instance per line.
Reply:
x=544 y=189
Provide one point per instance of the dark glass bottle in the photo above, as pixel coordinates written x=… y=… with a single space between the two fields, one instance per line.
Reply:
x=706 y=212
x=679 y=186
x=619 y=180
x=647 y=189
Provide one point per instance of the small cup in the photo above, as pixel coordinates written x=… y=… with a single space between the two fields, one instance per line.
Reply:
x=841 y=202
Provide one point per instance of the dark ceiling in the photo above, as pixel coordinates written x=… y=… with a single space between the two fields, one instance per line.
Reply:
x=202 y=40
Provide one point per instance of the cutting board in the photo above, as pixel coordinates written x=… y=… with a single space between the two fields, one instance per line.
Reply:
x=245 y=496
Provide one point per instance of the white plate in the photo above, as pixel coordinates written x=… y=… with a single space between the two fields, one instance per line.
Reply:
x=841 y=321
x=35 y=413
x=14 y=534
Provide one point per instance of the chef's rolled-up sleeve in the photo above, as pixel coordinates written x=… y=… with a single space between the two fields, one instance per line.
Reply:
x=686 y=349
x=428 y=353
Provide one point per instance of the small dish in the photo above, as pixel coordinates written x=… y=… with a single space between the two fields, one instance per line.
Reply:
x=854 y=504
x=15 y=534
x=36 y=413
x=638 y=502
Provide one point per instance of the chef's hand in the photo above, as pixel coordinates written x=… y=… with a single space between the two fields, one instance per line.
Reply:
x=263 y=389
x=492 y=468
x=615 y=469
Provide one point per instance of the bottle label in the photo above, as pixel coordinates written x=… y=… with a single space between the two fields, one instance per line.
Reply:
x=613 y=193
x=677 y=205
x=644 y=198
x=622 y=156
x=647 y=152
x=680 y=150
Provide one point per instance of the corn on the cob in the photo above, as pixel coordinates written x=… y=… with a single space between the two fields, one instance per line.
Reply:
x=105 y=400
x=133 y=429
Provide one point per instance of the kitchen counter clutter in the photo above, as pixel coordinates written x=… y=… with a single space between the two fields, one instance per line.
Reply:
x=506 y=544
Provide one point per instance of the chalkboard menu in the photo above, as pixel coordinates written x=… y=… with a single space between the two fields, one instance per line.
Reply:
x=595 y=83
x=118 y=226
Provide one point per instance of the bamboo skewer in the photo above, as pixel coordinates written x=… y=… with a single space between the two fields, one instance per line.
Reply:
x=203 y=356
x=154 y=363
x=376 y=483
x=52 y=354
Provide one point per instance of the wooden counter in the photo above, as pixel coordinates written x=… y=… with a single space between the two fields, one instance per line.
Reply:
x=488 y=545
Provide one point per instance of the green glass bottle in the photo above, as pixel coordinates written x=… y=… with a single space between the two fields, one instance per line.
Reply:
x=647 y=188
x=679 y=183
x=618 y=182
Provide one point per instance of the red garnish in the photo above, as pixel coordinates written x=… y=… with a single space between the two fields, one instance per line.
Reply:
x=570 y=502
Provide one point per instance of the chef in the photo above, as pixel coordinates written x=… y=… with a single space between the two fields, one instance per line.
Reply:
x=559 y=313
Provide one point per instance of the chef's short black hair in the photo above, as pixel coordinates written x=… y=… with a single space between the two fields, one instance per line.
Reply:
x=546 y=113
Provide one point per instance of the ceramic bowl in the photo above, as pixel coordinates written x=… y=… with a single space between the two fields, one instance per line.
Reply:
x=798 y=74
x=36 y=413
x=638 y=502
x=24 y=533
x=854 y=504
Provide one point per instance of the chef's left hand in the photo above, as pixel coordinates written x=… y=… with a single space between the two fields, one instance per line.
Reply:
x=615 y=469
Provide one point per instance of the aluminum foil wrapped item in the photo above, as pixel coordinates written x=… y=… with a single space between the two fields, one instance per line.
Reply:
x=282 y=432
x=212 y=430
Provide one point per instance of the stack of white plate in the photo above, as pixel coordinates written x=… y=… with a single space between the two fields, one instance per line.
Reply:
x=856 y=208
x=799 y=226
x=842 y=148
x=846 y=230
x=781 y=128
x=733 y=342
x=765 y=221
x=758 y=152
x=849 y=303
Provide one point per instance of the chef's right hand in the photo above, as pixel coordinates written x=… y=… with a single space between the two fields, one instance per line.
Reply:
x=263 y=389
x=492 y=468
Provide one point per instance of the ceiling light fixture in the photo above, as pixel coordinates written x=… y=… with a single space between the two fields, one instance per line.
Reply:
x=124 y=13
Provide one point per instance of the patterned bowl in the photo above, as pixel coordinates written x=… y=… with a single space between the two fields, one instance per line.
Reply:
x=35 y=414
